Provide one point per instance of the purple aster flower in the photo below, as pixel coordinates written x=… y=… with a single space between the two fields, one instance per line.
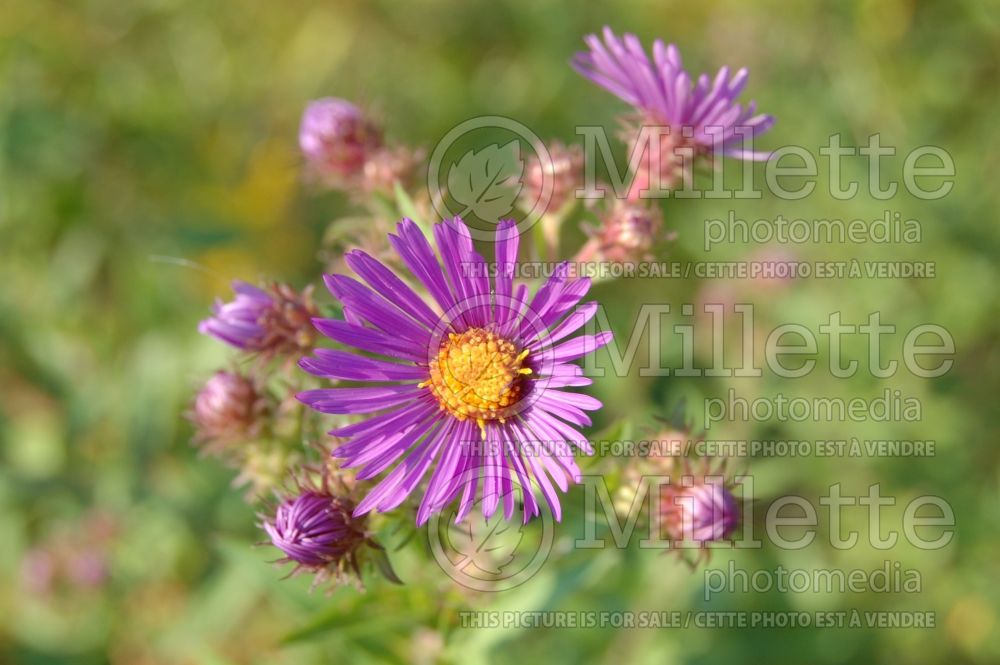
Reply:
x=665 y=93
x=704 y=512
x=270 y=321
x=463 y=386
x=337 y=138
x=315 y=529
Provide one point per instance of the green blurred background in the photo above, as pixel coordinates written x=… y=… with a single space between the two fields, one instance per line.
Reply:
x=148 y=155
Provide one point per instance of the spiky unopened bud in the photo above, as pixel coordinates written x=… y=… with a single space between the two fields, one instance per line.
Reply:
x=667 y=155
x=704 y=512
x=317 y=531
x=627 y=232
x=558 y=174
x=229 y=408
x=314 y=529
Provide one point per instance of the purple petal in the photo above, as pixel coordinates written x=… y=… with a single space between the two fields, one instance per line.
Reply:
x=419 y=257
x=567 y=412
x=383 y=280
x=568 y=326
x=358 y=400
x=371 y=340
x=580 y=346
x=375 y=309
x=335 y=364
x=506 y=262
x=385 y=421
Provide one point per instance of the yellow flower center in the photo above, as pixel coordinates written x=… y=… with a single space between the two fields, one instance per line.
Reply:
x=477 y=374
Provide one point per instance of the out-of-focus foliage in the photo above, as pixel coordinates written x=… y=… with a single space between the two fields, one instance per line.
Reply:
x=148 y=156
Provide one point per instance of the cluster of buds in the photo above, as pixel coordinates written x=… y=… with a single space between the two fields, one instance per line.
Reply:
x=345 y=149
x=234 y=414
x=240 y=417
x=549 y=185
x=337 y=138
x=234 y=418
x=388 y=166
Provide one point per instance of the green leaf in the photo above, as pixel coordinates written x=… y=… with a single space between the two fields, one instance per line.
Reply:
x=407 y=208
x=381 y=560
x=351 y=621
x=615 y=430
x=341 y=616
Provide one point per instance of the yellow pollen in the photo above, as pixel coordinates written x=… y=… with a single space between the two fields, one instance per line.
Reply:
x=477 y=374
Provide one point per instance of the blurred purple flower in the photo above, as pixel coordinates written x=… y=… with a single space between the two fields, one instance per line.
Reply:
x=704 y=112
x=88 y=568
x=38 y=571
x=337 y=138
x=468 y=385
x=74 y=558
